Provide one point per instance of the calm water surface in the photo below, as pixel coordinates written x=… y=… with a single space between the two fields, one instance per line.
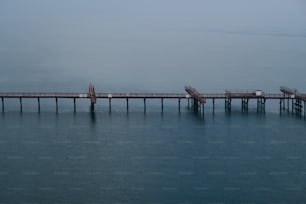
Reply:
x=152 y=158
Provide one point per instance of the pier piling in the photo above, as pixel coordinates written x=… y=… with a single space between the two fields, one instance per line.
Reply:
x=2 y=100
x=20 y=101
x=188 y=103
x=56 y=104
x=74 y=105
x=288 y=102
x=162 y=104
x=244 y=104
x=38 y=102
x=228 y=104
x=304 y=108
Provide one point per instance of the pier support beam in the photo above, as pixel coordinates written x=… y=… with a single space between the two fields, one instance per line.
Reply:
x=110 y=104
x=304 y=108
x=281 y=102
x=195 y=105
x=213 y=102
x=228 y=104
x=20 y=101
x=2 y=99
x=287 y=103
x=244 y=104
x=74 y=105
x=298 y=106
x=188 y=103
x=162 y=104
x=179 y=105
x=284 y=103
x=38 y=102
x=144 y=105
x=56 y=103
x=127 y=104
x=261 y=104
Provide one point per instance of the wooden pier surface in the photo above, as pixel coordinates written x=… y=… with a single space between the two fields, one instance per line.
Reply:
x=199 y=99
x=135 y=95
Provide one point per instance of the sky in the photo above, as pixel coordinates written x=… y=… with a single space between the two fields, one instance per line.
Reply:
x=153 y=45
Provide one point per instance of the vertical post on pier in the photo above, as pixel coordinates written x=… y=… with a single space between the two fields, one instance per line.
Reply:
x=242 y=104
x=304 y=108
x=258 y=101
x=162 y=104
x=228 y=104
x=195 y=105
x=179 y=105
x=144 y=105
x=298 y=107
x=263 y=105
x=247 y=104
x=287 y=103
x=74 y=105
x=203 y=109
x=213 y=100
x=188 y=103
x=284 y=102
x=56 y=103
x=38 y=102
x=2 y=99
x=20 y=100
x=292 y=105
x=127 y=104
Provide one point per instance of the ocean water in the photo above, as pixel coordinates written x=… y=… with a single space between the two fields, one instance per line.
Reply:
x=153 y=156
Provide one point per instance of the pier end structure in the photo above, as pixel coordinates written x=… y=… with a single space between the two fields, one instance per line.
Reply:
x=298 y=100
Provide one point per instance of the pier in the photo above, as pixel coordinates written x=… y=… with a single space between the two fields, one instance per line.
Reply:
x=195 y=100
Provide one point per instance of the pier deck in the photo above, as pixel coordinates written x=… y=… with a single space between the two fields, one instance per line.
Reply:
x=199 y=99
x=133 y=95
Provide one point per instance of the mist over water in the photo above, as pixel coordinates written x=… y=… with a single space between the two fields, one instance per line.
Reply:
x=151 y=46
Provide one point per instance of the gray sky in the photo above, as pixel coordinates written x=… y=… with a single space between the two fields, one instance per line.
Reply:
x=150 y=42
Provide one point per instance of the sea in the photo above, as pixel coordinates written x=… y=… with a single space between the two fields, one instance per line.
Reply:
x=152 y=156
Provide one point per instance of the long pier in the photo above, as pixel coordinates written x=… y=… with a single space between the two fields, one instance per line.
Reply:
x=198 y=100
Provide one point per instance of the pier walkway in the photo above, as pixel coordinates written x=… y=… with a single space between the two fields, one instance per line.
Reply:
x=298 y=100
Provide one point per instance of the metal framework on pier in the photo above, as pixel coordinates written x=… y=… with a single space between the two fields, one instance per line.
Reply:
x=298 y=100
